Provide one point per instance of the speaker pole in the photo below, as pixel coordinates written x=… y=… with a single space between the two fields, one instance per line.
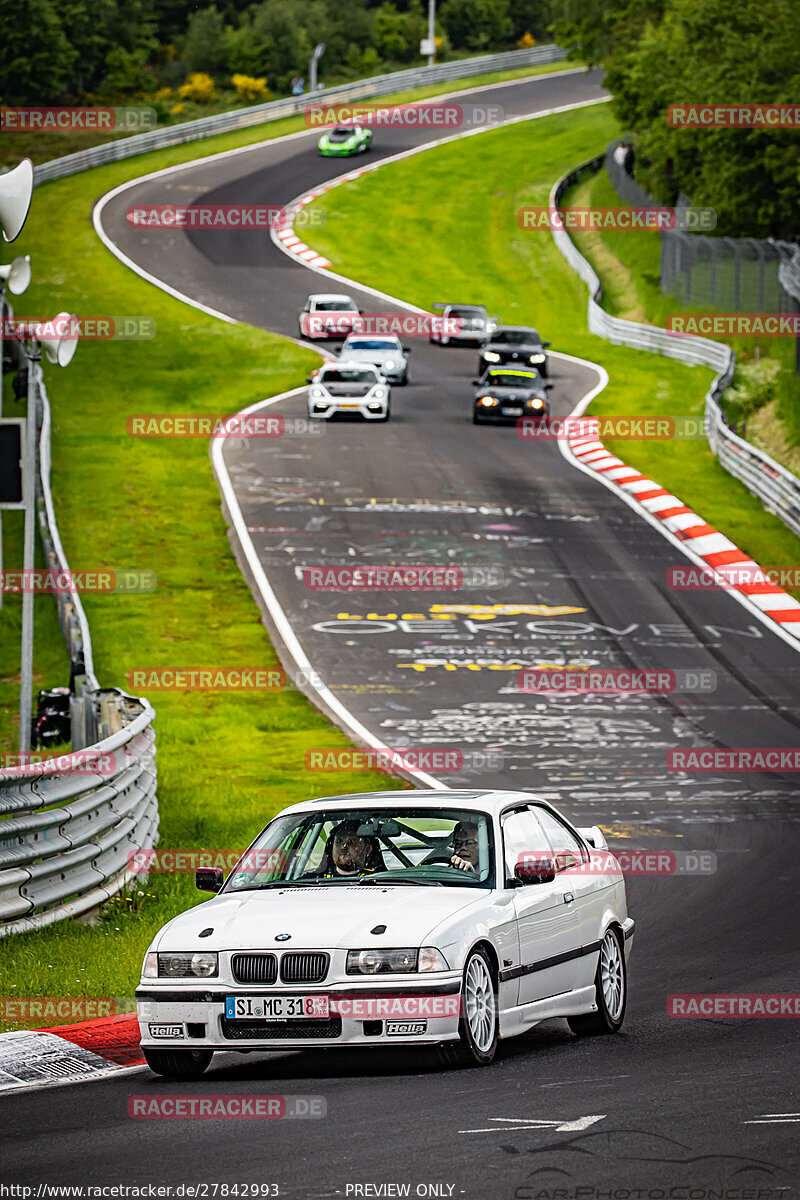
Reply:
x=28 y=558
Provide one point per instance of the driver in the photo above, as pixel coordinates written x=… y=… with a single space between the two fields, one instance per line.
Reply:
x=465 y=847
x=349 y=853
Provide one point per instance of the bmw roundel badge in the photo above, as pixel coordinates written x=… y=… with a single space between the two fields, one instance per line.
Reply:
x=282 y=937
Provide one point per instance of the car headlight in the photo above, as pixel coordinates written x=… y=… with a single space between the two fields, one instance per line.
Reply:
x=379 y=393
x=490 y=356
x=382 y=962
x=187 y=965
x=389 y=364
x=317 y=393
x=536 y=403
x=488 y=401
x=537 y=358
x=150 y=966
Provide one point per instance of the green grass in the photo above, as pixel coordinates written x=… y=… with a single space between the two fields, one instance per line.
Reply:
x=41 y=147
x=475 y=249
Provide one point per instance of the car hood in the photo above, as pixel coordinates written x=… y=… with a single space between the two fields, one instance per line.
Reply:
x=348 y=389
x=507 y=351
x=509 y=393
x=376 y=357
x=319 y=917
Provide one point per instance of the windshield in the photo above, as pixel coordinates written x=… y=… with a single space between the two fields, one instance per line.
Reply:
x=335 y=306
x=343 y=375
x=497 y=379
x=418 y=847
x=471 y=313
x=370 y=344
x=516 y=337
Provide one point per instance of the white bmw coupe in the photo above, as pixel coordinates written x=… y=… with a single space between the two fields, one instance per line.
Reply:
x=449 y=918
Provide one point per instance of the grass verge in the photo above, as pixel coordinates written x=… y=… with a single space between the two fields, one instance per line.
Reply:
x=476 y=250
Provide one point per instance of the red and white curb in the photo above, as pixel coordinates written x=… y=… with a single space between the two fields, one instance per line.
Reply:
x=717 y=552
x=288 y=239
x=69 y=1053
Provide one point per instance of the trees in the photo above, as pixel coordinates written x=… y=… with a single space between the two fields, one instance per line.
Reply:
x=700 y=52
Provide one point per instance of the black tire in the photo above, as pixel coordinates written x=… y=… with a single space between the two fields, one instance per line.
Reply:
x=603 y=1021
x=177 y=1064
x=476 y=419
x=467 y=1052
x=404 y=380
x=387 y=415
x=444 y=341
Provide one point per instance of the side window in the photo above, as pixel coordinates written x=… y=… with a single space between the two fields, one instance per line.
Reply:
x=567 y=848
x=523 y=839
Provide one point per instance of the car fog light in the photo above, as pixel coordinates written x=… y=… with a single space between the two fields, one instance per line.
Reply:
x=488 y=401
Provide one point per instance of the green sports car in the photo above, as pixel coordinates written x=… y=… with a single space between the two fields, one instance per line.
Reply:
x=344 y=141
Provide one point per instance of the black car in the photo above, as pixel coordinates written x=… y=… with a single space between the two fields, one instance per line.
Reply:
x=509 y=393
x=518 y=345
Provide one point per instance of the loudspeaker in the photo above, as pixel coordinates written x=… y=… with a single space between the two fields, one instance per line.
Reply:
x=16 y=189
x=17 y=274
x=60 y=349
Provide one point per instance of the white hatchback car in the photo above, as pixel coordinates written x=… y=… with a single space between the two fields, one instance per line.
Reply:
x=349 y=387
x=329 y=316
x=446 y=918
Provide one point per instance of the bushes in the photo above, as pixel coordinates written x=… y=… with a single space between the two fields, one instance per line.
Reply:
x=251 y=89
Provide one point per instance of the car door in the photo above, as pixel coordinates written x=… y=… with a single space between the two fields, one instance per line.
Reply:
x=549 y=936
x=587 y=886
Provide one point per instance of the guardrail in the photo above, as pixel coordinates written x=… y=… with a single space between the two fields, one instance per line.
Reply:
x=777 y=488
x=271 y=110
x=68 y=825
x=67 y=828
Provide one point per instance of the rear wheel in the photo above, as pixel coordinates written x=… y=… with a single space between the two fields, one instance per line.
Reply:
x=177 y=1064
x=479 y=1026
x=611 y=991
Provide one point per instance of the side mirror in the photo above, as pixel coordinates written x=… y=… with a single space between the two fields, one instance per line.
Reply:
x=309 y=379
x=209 y=879
x=546 y=344
x=535 y=870
x=548 y=387
x=406 y=349
x=475 y=382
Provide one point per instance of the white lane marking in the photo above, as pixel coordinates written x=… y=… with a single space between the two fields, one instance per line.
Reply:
x=290 y=640
x=775 y=1119
x=534 y=1123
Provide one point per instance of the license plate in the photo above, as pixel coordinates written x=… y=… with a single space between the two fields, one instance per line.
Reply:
x=277 y=1008
x=349 y=406
x=512 y=412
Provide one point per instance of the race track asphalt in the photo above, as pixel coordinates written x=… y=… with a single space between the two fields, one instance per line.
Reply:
x=679 y=1103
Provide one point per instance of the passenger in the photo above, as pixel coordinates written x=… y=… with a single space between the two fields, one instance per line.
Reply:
x=347 y=853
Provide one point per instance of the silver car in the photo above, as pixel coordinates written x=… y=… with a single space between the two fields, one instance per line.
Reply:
x=350 y=388
x=383 y=351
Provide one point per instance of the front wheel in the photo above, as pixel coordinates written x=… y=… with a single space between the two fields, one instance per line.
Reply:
x=177 y=1064
x=479 y=1025
x=611 y=991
